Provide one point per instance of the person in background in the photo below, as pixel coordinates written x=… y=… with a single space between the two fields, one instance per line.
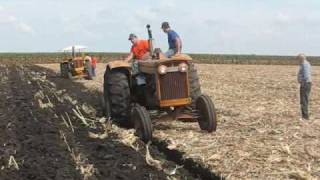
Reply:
x=87 y=58
x=139 y=48
x=304 y=79
x=88 y=65
x=175 y=43
x=94 y=65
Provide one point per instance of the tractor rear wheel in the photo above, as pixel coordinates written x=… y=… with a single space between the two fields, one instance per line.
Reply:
x=207 y=113
x=116 y=94
x=194 y=85
x=142 y=122
x=64 y=70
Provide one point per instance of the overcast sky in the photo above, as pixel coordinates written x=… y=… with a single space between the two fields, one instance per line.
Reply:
x=273 y=27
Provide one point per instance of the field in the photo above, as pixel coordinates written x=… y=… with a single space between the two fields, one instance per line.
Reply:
x=259 y=134
x=42 y=58
x=53 y=129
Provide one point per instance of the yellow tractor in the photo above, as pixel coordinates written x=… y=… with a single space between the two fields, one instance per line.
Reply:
x=75 y=65
x=161 y=84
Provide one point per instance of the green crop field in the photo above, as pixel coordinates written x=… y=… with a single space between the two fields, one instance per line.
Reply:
x=32 y=58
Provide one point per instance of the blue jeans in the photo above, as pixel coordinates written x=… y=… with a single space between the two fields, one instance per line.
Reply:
x=140 y=78
x=93 y=71
x=305 y=89
x=170 y=53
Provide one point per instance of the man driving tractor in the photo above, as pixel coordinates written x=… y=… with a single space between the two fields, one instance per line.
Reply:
x=139 y=49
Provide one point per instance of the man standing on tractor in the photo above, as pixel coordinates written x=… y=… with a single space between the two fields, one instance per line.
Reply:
x=175 y=43
x=139 y=49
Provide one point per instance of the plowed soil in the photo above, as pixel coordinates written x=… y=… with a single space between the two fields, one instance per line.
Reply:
x=51 y=129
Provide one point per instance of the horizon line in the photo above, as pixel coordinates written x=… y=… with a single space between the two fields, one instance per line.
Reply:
x=244 y=54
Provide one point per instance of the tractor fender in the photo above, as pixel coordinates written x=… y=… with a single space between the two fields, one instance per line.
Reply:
x=119 y=64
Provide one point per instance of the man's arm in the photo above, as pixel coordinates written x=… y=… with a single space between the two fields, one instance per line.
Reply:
x=178 y=45
x=306 y=72
x=299 y=76
x=130 y=57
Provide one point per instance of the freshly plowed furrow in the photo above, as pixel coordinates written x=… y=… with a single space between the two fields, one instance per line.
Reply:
x=36 y=143
x=8 y=139
x=111 y=157
x=30 y=136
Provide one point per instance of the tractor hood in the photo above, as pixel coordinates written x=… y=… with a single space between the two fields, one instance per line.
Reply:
x=150 y=66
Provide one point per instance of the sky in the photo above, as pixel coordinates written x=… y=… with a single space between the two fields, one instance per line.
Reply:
x=266 y=27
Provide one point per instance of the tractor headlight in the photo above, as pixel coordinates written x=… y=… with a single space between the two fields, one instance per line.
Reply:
x=71 y=64
x=183 y=67
x=162 y=69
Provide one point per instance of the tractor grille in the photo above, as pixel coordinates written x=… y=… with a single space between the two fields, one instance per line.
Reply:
x=78 y=64
x=173 y=85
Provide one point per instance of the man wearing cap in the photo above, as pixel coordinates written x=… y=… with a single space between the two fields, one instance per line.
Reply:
x=304 y=79
x=175 y=43
x=139 y=49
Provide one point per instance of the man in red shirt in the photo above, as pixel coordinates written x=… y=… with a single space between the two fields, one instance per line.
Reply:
x=139 y=49
x=94 y=65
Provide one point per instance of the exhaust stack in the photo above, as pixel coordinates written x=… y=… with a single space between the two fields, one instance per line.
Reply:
x=150 y=40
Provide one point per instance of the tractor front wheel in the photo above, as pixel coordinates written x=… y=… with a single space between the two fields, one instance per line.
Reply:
x=142 y=123
x=207 y=113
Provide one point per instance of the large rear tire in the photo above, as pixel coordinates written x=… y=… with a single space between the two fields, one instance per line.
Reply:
x=64 y=70
x=116 y=94
x=104 y=110
x=207 y=113
x=142 y=123
x=194 y=85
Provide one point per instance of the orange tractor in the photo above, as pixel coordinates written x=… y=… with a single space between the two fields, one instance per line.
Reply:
x=76 y=65
x=161 y=84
